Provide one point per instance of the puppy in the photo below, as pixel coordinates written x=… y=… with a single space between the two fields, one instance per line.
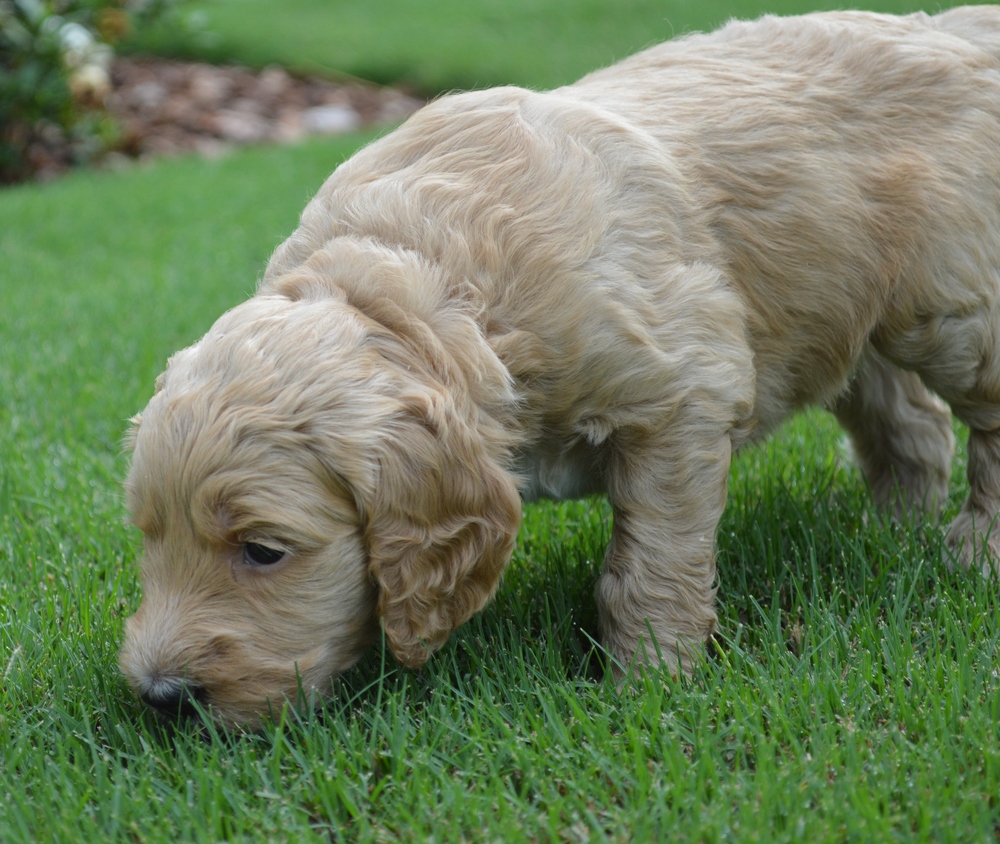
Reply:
x=604 y=288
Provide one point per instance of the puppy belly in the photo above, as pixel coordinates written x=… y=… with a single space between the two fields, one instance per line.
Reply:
x=551 y=471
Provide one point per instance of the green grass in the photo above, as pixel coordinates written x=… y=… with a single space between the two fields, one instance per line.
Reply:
x=446 y=44
x=852 y=695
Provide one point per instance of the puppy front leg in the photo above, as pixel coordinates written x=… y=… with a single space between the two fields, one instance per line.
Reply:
x=668 y=490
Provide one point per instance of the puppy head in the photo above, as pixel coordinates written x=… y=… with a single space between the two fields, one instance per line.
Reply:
x=300 y=475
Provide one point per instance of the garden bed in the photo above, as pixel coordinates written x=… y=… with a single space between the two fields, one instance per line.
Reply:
x=164 y=107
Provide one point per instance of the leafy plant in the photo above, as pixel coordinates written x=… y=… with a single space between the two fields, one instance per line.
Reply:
x=55 y=61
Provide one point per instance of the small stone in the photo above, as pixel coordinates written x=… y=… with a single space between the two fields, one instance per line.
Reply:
x=209 y=87
x=177 y=109
x=330 y=120
x=246 y=105
x=240 y=127
x=396 y=108
x=148 y=96
x=273 y=82
x=211 y=147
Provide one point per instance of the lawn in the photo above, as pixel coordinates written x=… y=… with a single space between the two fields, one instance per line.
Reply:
x=450 y=44
x=852 y=695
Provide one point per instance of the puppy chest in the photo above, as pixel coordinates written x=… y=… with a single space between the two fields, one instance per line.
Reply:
x=559 y=470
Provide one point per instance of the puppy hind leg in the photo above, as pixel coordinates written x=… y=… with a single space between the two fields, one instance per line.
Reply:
x=965 y=371
x=974 y=535
x=902 y=437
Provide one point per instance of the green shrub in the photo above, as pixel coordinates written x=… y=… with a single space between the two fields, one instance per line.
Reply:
x=55 y=61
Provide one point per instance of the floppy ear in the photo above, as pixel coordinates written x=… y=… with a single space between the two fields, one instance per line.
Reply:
x=442 y=526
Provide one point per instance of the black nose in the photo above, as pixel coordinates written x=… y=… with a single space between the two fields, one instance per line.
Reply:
x=175 y=698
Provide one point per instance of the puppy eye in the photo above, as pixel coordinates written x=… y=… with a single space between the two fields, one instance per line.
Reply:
x=256 y=554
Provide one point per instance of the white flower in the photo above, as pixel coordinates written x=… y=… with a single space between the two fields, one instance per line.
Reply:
x=75 y=38
x=90 y=83
x=81 y=48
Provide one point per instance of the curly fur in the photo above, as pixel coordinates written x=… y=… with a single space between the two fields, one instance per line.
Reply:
x=604 y=288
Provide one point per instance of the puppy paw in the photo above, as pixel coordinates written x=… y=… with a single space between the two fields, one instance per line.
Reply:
x=633 y=658
x=974 y=541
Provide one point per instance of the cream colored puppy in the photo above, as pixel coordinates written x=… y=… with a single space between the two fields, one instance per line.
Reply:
x=604 y=288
